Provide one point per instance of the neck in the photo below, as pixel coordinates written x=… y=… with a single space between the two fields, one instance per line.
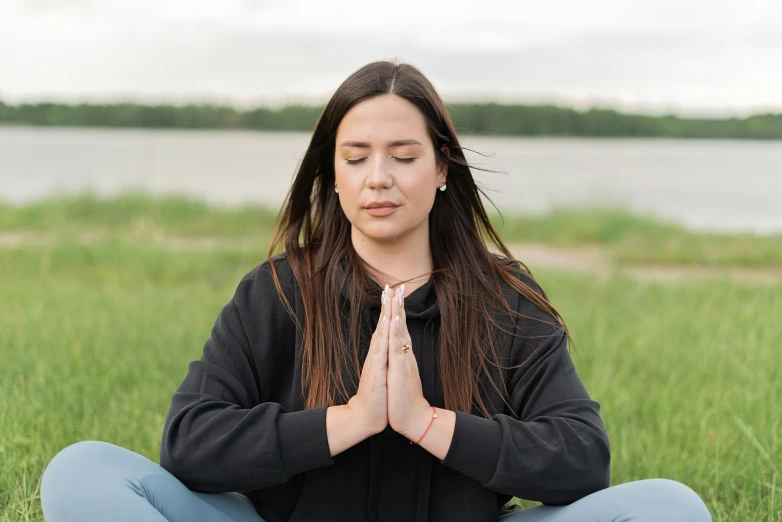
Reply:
x=406 y=258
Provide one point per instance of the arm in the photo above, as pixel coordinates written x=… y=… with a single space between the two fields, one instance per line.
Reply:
x=343 y=430
x=221 y=433
x=555 y=448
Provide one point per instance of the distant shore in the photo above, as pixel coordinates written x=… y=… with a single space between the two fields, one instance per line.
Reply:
x=469 y=118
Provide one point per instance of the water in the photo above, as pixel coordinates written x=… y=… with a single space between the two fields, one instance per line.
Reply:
x=721 y=185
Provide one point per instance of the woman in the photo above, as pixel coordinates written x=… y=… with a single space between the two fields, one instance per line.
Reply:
x=385 y=366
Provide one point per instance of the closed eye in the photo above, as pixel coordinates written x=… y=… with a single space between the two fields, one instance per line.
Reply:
x=401 y=160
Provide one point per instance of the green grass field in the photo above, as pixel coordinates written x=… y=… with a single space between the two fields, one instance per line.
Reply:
x=626 y=238
x=96 y=334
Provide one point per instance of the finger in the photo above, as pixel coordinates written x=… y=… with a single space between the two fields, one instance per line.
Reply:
x=400 y=318
x=386 y=325
x=385 y=305
x=381 y=352
x=399 y=338
x=384 y=300
x=403 y=315
x=393 y=339
x=376 y=334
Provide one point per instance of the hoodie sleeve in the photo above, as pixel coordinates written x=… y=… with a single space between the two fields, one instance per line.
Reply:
x=554 y=449
x=222 y=433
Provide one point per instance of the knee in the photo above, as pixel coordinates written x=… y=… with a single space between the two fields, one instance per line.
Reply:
x=71 y=465
x=676 y=499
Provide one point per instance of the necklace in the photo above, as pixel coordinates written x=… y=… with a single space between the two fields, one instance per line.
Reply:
x=409 y=280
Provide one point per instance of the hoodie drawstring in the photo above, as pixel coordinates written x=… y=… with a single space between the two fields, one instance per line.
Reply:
x=375 y=451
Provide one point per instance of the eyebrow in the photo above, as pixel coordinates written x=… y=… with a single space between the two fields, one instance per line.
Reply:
x=365 y=145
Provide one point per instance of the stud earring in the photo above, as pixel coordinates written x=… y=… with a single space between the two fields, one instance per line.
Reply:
x=442 y=188
x=336 y=189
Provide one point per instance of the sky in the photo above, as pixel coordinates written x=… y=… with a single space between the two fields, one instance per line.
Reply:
x=710 y=58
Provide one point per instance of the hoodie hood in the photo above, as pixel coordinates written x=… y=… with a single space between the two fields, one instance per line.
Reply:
x=423 y=317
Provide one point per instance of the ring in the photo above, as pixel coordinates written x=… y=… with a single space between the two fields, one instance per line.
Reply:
x=405 y=348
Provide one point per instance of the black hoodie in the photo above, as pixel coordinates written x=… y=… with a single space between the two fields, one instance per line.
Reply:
x=237 y=422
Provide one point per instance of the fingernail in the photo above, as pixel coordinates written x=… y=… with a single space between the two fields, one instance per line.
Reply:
x=383 y=299
x=397 y=322
x=401 y=294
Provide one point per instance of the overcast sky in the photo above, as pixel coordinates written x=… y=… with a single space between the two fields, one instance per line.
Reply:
x=685 y=56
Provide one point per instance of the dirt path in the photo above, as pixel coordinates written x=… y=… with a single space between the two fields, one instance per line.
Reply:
x=589 y=260
x=593 y=261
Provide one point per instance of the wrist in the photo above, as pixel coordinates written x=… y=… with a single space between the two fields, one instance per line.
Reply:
x=357 y=420
x=422 y=420
x=342 y=430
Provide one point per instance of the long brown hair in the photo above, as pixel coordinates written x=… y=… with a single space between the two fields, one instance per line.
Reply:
x=316 y=235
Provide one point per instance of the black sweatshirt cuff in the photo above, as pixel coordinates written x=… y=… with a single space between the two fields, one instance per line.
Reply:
x=304 y=444
x=475 y=447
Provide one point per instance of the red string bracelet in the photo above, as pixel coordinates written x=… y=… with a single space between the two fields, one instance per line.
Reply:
x=434 y=416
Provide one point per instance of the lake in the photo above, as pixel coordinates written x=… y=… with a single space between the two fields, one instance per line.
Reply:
x=721 y=185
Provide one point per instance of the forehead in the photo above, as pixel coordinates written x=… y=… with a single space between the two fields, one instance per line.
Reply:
x=381 y=118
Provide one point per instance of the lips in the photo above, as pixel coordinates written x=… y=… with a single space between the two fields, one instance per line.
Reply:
x=381 y=211
x=380 y=204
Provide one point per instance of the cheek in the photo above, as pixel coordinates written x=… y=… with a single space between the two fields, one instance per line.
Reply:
x=343 y=179
x=419 y=190
x=422 y=179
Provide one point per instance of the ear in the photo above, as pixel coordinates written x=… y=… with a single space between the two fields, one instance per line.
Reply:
x=443 y=172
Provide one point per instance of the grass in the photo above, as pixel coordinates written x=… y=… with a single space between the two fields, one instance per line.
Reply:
x=626 y=238
x=136 y=214
x=637 y=239
x=95 y=337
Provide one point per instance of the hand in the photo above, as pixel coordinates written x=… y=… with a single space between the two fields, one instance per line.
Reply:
x=370 y=404
x=408 y=411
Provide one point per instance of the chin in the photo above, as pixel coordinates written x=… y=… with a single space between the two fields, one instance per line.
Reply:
x=381 y=233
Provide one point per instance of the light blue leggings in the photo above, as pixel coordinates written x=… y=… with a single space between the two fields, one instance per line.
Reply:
x=97 y=481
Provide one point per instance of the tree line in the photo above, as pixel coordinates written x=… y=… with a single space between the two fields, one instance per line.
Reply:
x=469 y=118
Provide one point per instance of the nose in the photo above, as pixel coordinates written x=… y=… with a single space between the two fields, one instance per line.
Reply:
x=379 y=172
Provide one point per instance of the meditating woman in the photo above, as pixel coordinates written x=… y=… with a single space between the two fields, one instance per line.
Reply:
x=381 y=364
